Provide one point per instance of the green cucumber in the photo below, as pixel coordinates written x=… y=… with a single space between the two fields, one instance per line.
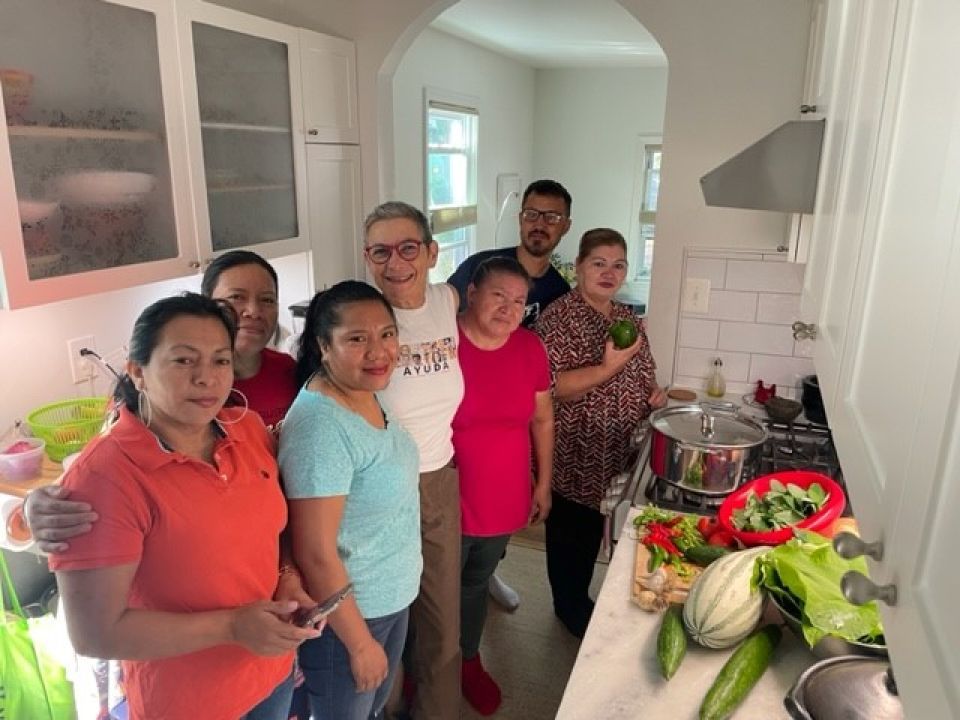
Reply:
x=671 y=642
x=703 y=555
x=740 y=673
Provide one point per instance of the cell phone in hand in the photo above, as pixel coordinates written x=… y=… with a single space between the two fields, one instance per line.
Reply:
x=311 y=617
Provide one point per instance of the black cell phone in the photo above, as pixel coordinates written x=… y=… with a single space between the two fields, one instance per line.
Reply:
x=310 y=617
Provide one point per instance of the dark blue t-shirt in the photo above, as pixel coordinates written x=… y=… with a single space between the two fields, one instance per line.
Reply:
x=546 y=288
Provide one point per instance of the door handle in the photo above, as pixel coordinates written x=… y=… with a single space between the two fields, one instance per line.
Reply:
x=804 y=331
x=849 y=546
x=313 y=131
x=859 y=589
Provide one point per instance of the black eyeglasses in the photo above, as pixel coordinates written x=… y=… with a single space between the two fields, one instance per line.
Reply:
x=407 y=250
x=550 y=217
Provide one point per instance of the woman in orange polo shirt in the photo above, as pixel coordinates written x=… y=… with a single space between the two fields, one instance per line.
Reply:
x=176 y=576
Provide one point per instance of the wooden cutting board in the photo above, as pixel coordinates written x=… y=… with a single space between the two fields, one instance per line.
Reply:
x=681 y=585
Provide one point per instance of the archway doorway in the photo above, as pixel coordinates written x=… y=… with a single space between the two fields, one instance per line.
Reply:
x=557 y=91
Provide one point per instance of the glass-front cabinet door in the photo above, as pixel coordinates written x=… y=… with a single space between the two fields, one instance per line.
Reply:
x=89 y=192
x=248 y=126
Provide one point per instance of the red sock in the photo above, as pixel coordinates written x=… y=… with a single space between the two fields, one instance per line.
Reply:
x=480 y=690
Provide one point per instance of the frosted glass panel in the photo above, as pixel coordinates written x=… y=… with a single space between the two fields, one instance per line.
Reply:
x=243 y=89
x=81 y=86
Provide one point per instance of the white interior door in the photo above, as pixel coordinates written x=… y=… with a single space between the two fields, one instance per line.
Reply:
x=890 y=331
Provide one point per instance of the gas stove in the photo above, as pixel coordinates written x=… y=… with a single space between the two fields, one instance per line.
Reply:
x=798 y=446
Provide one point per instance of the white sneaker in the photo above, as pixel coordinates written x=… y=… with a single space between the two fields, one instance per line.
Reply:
x=506 y=596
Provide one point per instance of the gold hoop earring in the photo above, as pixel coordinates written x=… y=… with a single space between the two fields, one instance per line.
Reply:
x=246 y=408
x=144 y=408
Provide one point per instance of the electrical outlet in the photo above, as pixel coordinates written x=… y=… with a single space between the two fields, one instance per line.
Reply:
x=696 y=295
x=80 y=367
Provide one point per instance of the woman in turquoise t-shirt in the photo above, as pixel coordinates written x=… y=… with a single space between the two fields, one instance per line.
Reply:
x=351 y=476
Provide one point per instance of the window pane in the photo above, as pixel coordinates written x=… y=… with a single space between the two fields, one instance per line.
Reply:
x=449 y=181
x=652 y=181
x=454 y=249
x=448 y=130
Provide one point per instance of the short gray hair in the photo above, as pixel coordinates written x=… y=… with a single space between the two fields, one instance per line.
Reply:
x=398 y=210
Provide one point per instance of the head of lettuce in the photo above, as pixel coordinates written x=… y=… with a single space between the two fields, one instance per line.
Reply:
x=805 y=573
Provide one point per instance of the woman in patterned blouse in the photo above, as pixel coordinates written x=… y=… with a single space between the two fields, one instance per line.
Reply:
x=602 y=394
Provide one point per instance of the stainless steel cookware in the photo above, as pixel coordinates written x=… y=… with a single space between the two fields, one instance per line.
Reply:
x=703 y=448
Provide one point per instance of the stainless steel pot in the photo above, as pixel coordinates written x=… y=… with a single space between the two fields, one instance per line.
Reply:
x=703 y=448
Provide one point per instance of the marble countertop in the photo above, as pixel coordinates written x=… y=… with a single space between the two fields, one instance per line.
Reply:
x=616 y=675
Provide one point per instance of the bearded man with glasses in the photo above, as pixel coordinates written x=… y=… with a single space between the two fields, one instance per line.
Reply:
x=544 y=220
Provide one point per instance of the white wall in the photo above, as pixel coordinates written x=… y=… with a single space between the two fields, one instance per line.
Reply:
x=587 y=127
x=34 y=367
x=735 y=72
x=501 y=89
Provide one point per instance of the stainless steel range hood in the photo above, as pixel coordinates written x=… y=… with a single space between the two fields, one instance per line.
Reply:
x=778 y=172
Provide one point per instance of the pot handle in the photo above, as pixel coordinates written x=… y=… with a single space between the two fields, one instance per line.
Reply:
x=719 y=406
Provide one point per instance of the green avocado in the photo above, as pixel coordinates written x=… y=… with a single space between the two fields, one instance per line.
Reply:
x=624 y=333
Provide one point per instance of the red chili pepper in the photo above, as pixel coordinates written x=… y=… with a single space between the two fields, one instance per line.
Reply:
x=662 y=542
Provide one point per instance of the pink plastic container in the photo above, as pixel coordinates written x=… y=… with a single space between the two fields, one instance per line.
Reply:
x=19 y=463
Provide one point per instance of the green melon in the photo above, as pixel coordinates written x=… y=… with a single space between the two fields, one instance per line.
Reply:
x=721 y=608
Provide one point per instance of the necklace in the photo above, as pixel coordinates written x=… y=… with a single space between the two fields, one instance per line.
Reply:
x=348 y=401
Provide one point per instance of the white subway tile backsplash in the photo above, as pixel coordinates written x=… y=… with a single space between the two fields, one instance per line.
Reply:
x=778 y=308
x=727 y=305
x=785 y=372
x=714 y=270
x=754 y=299
x=699 y=363
x=698 y=333
x=689 y=382
x=755 y=338
x=779 y=277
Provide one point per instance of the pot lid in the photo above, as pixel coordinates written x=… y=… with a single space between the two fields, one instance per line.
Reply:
x=845 y=688
x=705 y=426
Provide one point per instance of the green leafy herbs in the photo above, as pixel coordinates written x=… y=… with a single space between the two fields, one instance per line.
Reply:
x=667 y=536
x=781 y=506
x=804 y=574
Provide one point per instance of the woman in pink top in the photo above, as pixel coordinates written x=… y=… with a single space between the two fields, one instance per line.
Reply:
x=507 y=406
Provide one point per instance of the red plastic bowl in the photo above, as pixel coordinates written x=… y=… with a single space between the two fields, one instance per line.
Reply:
x=820 y=520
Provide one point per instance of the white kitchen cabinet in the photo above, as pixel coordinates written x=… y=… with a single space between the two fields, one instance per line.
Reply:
x=94 y=188
x=881 y=285
x=329 y=88
x=241 y=77
x=333 y=174
x=153 y=136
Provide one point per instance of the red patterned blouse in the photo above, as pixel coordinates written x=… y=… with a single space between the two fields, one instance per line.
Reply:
x=593 y=433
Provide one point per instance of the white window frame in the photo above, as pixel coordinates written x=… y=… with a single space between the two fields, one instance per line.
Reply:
x=445 y=219
x=646 y=145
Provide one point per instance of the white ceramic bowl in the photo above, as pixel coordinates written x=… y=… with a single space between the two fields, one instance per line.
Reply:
x=36 y=211
x=103 y=187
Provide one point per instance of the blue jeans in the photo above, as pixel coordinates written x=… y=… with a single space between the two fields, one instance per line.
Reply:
x=276 y=706
x=329 y=679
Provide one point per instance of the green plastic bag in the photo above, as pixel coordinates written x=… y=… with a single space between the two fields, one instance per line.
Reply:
x=33 y=685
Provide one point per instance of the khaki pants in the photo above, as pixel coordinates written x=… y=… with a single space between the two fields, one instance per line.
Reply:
x=433 y=652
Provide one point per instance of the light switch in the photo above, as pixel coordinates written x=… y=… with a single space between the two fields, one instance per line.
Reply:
x=696 y=295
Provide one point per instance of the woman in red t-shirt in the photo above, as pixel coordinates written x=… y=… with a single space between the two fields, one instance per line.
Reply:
x=506 y=413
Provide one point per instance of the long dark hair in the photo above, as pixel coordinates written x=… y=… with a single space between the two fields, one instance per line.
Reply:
x=323 y=316
x=147 y=329
x=229 y=260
